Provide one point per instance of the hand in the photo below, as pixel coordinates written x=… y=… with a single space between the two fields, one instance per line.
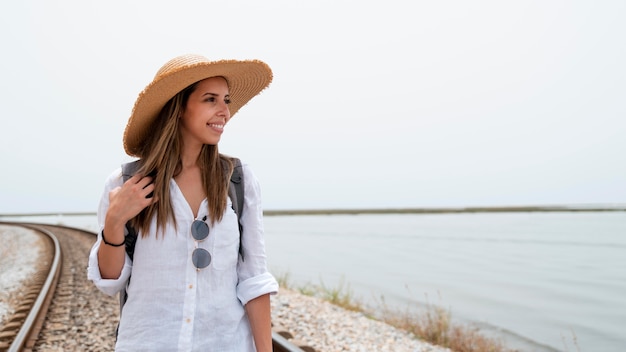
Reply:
x=130 y=199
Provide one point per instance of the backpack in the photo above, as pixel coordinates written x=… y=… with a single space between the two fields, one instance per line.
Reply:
x=235 y=192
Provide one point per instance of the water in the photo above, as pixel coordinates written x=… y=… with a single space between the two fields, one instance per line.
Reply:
x=542 y=281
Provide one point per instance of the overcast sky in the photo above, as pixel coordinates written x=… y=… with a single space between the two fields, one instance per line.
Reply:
x=373 y=104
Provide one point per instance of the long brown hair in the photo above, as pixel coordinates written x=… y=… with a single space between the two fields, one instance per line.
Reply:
x=161 y=158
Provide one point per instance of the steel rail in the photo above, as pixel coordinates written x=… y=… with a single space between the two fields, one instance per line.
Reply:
x=37 y=311
x=281 y=344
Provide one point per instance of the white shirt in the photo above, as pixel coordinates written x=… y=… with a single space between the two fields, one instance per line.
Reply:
x=171 y=305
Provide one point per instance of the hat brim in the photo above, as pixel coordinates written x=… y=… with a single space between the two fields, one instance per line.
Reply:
x=246 y=79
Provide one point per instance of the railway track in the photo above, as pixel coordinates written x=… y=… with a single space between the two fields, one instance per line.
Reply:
x=21 y=329
x=62 y=311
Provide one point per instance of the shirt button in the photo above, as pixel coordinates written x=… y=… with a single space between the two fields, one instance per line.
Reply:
x=188 y=320
x=190 y=285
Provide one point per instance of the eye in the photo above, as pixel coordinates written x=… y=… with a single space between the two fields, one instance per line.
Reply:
x=210 y=99
x=227 y=100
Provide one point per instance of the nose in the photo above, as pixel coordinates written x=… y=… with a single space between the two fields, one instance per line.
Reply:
x=224 y=110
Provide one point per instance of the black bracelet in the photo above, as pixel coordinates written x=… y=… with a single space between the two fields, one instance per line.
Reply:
x=111 y=244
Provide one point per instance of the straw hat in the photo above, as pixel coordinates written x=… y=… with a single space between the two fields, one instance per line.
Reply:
x=245 y=79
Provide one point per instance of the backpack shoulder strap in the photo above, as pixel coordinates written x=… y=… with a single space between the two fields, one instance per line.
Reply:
x=128 y=170
x=236 y=194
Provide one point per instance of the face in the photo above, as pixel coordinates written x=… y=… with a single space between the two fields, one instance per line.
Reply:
x=206 y=113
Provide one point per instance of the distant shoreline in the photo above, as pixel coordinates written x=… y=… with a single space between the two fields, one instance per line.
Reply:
x=512 y=209
x=355 y=211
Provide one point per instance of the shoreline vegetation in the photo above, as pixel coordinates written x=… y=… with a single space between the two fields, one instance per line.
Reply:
x=430 y=322
x=359 y=211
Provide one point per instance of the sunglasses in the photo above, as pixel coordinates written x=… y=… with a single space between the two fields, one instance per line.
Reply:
x=201 y=258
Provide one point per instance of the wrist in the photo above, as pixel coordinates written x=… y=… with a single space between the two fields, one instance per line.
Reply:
x=112 y=244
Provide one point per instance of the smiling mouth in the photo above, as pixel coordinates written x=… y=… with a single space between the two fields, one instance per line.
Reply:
x=215 y=125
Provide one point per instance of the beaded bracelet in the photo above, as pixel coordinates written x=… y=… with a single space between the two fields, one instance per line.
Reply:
x=111 y=244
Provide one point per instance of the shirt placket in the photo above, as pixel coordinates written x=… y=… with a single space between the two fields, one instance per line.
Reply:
x=190 y=297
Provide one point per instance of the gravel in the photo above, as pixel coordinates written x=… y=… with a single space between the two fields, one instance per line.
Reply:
x=326 y=327
x=15 y=266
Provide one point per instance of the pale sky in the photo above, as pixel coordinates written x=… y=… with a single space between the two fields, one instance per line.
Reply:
x=374 y=104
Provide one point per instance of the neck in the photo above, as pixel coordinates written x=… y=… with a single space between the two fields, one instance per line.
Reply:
x=189 y=156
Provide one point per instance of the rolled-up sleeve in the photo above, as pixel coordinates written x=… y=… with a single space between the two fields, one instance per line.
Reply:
x=254 y=278
x=108 y=286
x=256 y=286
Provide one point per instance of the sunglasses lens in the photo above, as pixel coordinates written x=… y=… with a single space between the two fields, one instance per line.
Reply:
x=199 y=230
x=201 y=258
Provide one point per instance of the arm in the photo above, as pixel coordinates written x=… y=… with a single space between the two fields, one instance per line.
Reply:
x=256 y=283
x=125 y=203
x=258 y=311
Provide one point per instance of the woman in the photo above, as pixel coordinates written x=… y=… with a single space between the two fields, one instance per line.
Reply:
x=189 y=291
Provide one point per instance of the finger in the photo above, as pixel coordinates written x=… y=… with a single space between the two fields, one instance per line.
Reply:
x=137 y=188
x=140 y=180
x=154 y=200
x=134 y=179
x=148 y=191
